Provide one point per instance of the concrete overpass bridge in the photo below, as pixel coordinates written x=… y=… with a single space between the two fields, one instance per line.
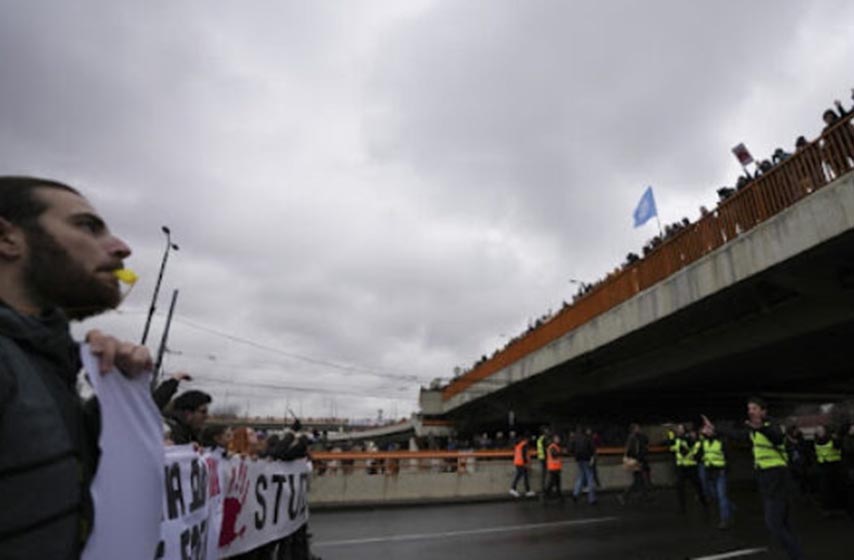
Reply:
x=757 y=297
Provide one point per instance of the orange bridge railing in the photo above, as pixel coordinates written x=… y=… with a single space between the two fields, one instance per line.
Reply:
x=811 y=167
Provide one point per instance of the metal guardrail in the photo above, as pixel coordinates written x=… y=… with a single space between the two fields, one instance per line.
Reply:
x=393 y=462
x=815 y=165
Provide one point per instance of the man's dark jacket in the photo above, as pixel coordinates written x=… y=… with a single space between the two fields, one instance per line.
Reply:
x=48 y=440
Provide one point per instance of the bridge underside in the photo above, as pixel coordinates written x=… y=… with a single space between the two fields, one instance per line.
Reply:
x=786 y=333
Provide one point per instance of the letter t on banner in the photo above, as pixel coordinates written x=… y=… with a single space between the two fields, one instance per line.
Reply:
x=646 y=209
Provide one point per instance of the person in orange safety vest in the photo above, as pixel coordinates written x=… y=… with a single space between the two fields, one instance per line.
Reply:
x=521 y=453
x=554 y=466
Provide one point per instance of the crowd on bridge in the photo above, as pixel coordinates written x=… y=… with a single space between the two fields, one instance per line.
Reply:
x=831 y=155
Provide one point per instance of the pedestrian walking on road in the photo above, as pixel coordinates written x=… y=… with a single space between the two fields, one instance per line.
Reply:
x=636 y=461
x=582 y=449
x=828 y=455
x=542 y=444
x=554 y=465
x=714 y=459
x=772 y=473
x=521 y=452
x=686 y=450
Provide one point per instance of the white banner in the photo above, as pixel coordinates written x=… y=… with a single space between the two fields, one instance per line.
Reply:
x=215 y=508
x=188 y=529
x=180 y=504
x=264 y=501
x=129 y=482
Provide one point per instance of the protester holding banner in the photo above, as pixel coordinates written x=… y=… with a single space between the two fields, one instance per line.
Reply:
x=186 y=416
x=48 y=438
x=216 y=439
x=166 y=390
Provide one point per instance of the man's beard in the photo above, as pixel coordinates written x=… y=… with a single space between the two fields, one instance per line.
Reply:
x=54 y=279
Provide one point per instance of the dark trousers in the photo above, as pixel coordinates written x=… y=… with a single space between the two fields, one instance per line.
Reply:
x=777 y=521
x=521 y=474
x=639 y=485
x=545 y=477
x=774 y=486
x=553 y=486
x=832 y=485
x=683 y=476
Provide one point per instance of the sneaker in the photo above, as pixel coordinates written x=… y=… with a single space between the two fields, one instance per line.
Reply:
x=530 y=494
x=514 y=493
x=621 y=500
x=725 y=525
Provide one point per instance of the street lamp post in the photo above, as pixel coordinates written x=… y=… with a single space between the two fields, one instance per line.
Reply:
x=169 y=246
x=163 y=341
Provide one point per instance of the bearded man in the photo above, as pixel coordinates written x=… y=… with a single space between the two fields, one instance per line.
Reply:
x=57 y=263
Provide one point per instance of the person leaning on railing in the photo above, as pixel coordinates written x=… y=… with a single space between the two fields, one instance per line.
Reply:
x=810 y=174
x=839 y=141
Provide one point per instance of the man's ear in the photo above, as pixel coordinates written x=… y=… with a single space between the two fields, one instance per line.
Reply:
x=13 y=243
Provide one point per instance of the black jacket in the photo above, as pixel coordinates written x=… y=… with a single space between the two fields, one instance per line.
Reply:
x=637 y=447
x=582 y=448
x=182 y=433
x=48 y=440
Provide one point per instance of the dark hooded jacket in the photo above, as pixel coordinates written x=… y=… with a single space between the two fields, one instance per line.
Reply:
x=48 y=440
x=182 y=433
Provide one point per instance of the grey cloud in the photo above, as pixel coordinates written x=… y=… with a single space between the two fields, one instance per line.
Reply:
x=382 y=184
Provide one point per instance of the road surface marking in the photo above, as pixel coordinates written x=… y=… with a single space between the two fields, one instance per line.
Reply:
x=733 y=554
x=486 y=531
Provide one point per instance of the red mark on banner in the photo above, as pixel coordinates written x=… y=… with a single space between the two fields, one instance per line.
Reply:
x=213 y=477
x=235 y=497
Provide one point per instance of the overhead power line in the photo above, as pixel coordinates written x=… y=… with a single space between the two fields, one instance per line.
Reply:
x=241 y=386
x=301 y=357
x=293 y=355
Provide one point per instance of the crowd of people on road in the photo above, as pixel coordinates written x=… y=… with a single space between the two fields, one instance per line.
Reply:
x=784 y=463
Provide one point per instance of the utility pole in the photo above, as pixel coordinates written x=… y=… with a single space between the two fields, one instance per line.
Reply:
x=174 y=247
x=165 y=338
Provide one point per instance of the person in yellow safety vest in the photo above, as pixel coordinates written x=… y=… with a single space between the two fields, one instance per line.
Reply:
x=542 y=443
x=772 y=473
x=714 y=459
x=554 y=466
x=686 y=450
x=828 y=455
x=521 y=450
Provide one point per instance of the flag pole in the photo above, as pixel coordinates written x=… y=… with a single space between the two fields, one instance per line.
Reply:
x=657 y=219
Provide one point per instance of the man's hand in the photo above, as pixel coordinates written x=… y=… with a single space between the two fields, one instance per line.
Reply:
x=182 y=376
x=131 y=359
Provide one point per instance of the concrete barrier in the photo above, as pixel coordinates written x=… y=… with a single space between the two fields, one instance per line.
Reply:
x=480 y=480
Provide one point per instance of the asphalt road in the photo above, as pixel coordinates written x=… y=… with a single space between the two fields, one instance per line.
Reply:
x=525 y=528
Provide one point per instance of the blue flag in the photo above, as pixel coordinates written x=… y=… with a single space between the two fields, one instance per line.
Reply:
x=646 y=208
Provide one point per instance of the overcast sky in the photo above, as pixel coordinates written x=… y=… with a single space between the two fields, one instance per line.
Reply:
x=372 y=193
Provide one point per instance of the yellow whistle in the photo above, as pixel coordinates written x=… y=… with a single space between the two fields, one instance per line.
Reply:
x=126 y=276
